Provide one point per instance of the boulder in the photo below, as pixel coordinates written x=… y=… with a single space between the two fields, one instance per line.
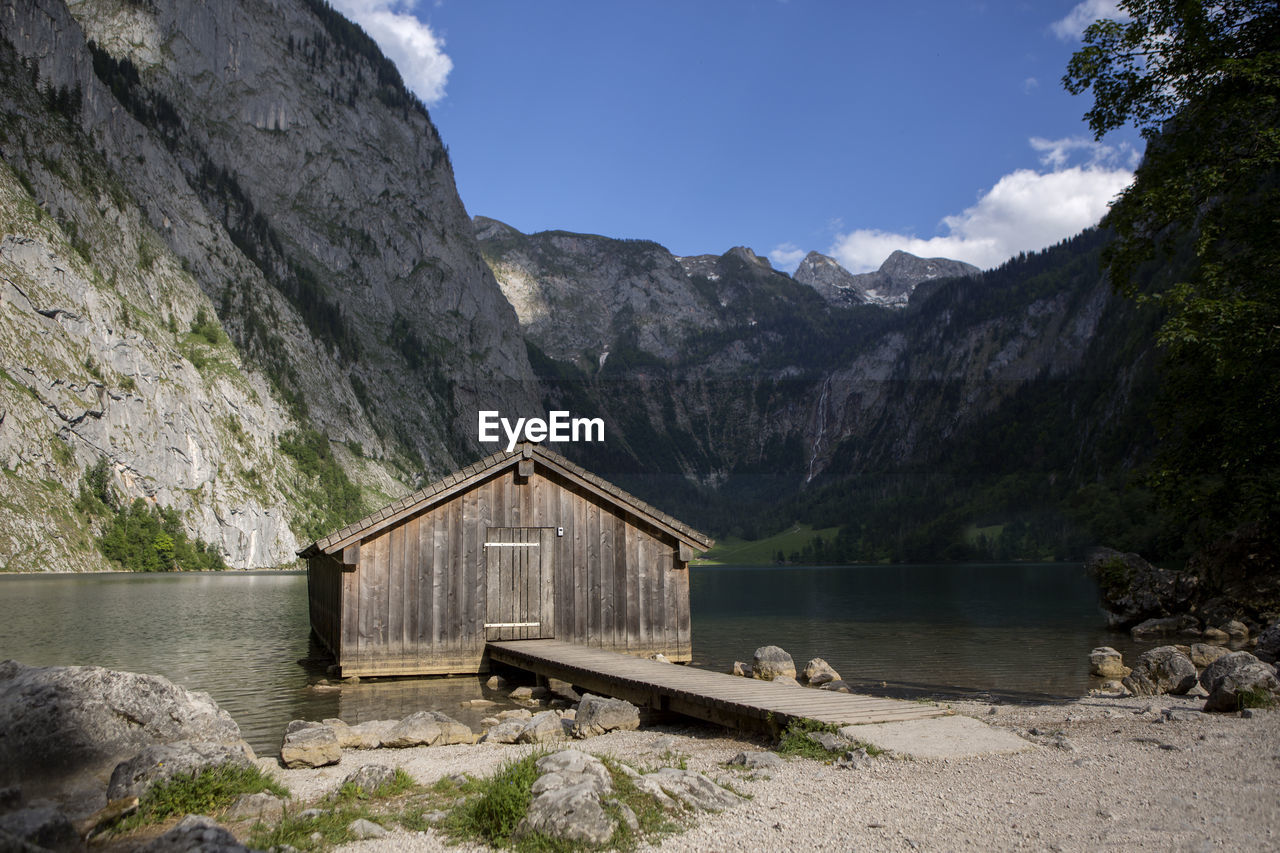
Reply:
x=43 y=827
x=370 y=777
x=818 y=672
x=1164 y=669
x=367 y=735
x=1167 y=626
x=1106 y=662
x=196 y=834
x=310 y=747
x=1203 y=654
x=1234 y=678
x=505 y=732
x=572 y=813
x=164 y=761
x=427 y=728
x=599 y=714
x=1215 y=635
x=771 y=661
x=60 y=724
x=1236 y=630
x=787 y=680
x=260 y=806
x=1133 y=590
x=542 y=728
x=572 y=767
x=1268 y=648
x=693 y=789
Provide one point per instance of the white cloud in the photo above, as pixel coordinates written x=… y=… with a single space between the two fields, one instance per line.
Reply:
x=1072 y=27
x=1030 y=85
x=407 y=41
x=787 y=257
x=1026 y=210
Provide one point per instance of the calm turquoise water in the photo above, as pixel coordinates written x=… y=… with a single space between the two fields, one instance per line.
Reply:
x=1022 y=629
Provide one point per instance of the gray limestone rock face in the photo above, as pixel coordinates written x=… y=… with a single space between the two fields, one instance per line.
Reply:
x=62 y=722
x=758 y=760
x=572 y=767
x=365 y=829
x=890 y=286
x=506 y=731
x=1235 y=679
x=599 y=714
x=572 y=813
x=162 y=762
x=694 y=789
x=1164 y=669
x=367 y=735
x=1133 y=590
x=316 y=746
x=771 y=661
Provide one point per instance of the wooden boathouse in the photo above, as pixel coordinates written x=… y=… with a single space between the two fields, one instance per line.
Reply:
x=521 y=545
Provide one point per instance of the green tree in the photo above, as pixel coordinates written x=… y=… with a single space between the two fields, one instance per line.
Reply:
x=1198 y=234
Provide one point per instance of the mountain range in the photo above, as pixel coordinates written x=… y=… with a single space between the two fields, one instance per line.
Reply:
x=238 y=281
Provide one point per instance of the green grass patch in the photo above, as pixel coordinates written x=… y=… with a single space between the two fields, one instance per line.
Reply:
x=795 y=741
x=1255 y=697
x=499 y=803
x=208 y=792
x=401 y=783
x=764 y=552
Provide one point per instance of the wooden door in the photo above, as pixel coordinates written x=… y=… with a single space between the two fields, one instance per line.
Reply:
x=520 y=578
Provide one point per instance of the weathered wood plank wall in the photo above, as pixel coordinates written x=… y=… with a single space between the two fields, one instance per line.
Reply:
x=419 y=601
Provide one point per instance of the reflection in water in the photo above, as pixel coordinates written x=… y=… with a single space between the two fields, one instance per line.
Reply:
x=238 y=636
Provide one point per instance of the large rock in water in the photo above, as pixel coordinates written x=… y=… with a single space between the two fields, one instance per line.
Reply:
x=1235 y=678
x=59 y=724
x=1161 y=670
x=1133 y=590
x=1106 y=662
x=771 y=661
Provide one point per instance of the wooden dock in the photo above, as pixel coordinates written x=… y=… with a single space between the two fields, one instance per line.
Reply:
x=728 y=700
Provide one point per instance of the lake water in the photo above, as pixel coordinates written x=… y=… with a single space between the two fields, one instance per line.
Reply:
x=1011 y=630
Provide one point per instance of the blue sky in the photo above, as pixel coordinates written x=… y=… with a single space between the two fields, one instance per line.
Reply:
x=852 y=128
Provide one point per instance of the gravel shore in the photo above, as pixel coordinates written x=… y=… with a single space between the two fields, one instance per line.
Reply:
x=1107 y=774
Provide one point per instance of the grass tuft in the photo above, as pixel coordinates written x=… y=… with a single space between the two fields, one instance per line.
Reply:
x=208 y=792
x=499 y=803
x=1255 y=697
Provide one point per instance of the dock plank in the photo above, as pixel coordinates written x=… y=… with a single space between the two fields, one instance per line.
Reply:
x=714 y=696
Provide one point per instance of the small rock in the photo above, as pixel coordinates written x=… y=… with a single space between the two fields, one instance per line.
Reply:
x=523 y=693
x=196 y=834
x=628 y=817
x=1106 y=662
x=854 y=759
x=771 y=661
x=599 y=714
x=505 y=732
x=311 y=747
x=1203 y=654
x=660 y=658
x=514 y=714
x=818 y=672
x=757 y=760
x=541 y=728
x=369 y=735
x=365 y=829
x=693 y=789
x=828 y=741
x=496 y=682
x=786 y=679
x=1181 y=715
x=477 y=703
x=837 y=686
x=1215 y=635
x=742 y=669
x=261 y=806
x=370 y=777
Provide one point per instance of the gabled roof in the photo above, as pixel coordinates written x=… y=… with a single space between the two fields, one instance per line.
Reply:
x=460 y=481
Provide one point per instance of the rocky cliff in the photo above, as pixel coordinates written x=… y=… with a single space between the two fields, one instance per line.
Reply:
x=224 y=224
x=890 y=286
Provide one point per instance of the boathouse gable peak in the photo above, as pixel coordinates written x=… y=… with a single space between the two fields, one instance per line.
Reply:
x=498 y=463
